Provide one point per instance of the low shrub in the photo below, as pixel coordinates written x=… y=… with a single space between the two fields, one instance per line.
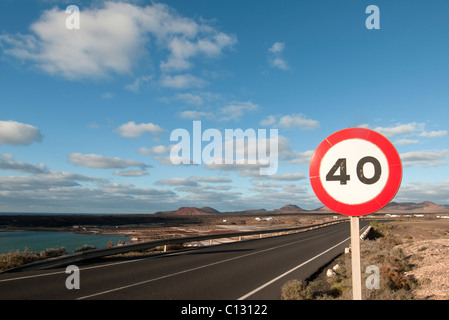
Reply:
x=85 y=248
x=16 y=258
x=51 y=253
x=296 y=290
x=382 y=252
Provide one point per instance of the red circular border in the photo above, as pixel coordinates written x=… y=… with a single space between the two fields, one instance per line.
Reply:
x=387 y=193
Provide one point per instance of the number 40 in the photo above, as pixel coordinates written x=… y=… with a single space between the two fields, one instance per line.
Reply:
x=344 y=178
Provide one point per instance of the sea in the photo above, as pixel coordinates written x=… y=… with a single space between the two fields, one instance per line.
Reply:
x=41 y=240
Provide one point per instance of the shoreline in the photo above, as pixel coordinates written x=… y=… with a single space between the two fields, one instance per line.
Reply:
x=39 y=240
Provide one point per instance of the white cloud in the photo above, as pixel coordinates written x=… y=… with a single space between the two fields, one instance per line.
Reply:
x=107 y=95
x=7 y=162
x=183 y=48
x=246 y=169
x=156 y=150
x=133 y=130
x=46 y=180
x=425 y=158
x=297 y=122
x=398 y=128
x=270 y=198
x=420 y=191
x=92 y=51
x=293 y=121
x=171 y=160
x=280 y=63
x=161 y=152
x=177 y=182
x=299 y=157
x=131 y=173
x=57 y=191
x=292 y=188
x=433 y=134
x=268 y=121
x=267 y=185
x=422 y=159
x=99 y=161
x=195 y=115
x=235 y=110
x=135 y=86
x=209 y=179
x=401 y=142
x=277 y=47
x=16 y=133
x=190 y=98
x=61 y=192
x=93 y=125
x=182 y=81
x=282 y=177
x=276 y=60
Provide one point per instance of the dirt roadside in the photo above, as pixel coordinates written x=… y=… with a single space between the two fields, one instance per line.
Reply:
x=426 y=243
x=412 y=260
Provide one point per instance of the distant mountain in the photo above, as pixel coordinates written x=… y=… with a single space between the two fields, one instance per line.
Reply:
x=322 y=210
x=411 y=207
x=393 y=207
x=192 y=211
x=403 y=207
x=209 y=210
x=289 y=208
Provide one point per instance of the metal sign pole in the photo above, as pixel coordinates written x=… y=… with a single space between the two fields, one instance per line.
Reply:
x=355 y=257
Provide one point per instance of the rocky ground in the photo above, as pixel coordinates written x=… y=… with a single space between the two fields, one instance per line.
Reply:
x=222 y=224
x=426 y=242
x=411 y=254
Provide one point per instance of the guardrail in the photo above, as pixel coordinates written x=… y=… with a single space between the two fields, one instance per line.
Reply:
x=365 y=233
x=103 y=252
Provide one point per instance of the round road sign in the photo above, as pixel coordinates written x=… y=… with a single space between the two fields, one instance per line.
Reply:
x=355 y=171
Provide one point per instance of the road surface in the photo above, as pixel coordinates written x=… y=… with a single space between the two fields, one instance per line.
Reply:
x=246 y=270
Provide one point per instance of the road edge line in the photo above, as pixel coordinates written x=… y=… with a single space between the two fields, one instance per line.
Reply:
x=290 y=271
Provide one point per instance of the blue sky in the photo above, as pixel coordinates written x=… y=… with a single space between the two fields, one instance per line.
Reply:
x=86 y=114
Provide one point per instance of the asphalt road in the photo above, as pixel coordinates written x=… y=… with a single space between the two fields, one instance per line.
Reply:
x=254 y=269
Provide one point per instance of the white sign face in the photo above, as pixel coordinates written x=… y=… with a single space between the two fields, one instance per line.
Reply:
x=354 y=171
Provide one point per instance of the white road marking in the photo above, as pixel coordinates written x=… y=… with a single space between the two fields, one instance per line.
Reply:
x=188 y=270
x=289 y=271
x=33 y=276
x=196 y=268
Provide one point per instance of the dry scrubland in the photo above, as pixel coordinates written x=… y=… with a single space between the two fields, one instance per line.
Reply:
x=16 y=258
x=413 y=260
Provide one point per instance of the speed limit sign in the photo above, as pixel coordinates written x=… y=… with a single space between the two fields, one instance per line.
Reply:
x=355 y=171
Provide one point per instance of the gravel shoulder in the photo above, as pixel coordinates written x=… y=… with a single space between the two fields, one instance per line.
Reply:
x=426 y=243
